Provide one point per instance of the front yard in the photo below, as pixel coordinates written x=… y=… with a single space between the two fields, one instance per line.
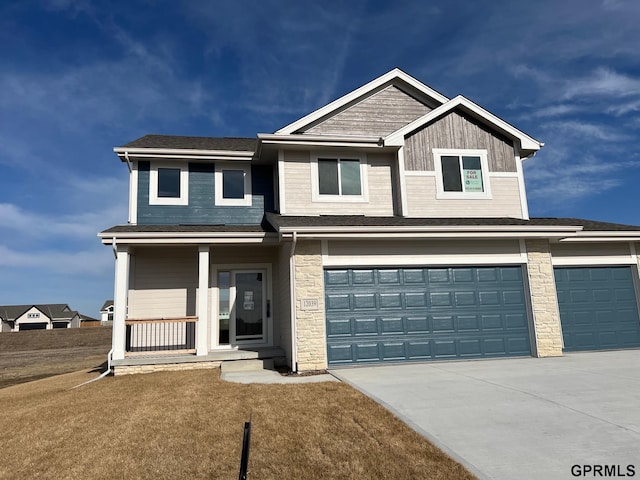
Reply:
x=189 y=425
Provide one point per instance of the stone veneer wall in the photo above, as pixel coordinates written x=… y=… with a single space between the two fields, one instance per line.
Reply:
x=166 y=367
x=310 y=321
x=544 y=300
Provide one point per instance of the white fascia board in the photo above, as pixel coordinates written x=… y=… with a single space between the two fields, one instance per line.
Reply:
x=319 y=140
x=562 y=230
x=526 y=142
x=603 y=238
x=394 y=74
x=186 y=237
x=429 y=235
x=184 y=153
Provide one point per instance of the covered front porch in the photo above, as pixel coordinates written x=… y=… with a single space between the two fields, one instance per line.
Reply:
x=194 y=306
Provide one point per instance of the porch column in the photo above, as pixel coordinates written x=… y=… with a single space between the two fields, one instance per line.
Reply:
x=120 y=302
x=203 y=301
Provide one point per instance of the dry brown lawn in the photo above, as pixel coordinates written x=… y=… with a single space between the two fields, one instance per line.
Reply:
x=31 y=355
x=189 y=425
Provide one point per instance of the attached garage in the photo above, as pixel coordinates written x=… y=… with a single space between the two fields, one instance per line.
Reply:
x=33 y=326
x=598 y=307
x=425 y=313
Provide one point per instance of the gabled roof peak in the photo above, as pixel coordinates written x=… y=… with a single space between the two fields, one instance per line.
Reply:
x=395 y=77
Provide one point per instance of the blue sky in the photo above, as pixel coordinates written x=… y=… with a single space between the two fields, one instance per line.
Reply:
x=78 y=78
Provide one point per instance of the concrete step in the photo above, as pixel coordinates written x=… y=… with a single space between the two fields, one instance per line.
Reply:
x=250 y=365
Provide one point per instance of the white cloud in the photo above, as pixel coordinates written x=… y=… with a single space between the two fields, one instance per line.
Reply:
x=584 y=130
x=603 y=82
x=86 y=262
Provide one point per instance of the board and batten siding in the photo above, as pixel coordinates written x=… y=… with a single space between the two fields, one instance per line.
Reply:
x=163 y=282
x=201 y=208
x=422 y=201
x=458 y=130
x=379 y=114
x=298 y=193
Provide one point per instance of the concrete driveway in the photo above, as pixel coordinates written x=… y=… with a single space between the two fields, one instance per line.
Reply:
x=534 y=418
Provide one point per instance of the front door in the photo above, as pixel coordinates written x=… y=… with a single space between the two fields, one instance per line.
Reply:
x=249 y=312
x=243 y=307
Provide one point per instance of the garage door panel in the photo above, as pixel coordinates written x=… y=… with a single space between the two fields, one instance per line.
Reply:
x=415 y=300
x=337 y=301
x=364 y=301
x=337 y=328
x=598 y=308
x=336 y=277
x=392 y=325
x=463 y=275
x=440 y=299
x=389 y=277
x=423 y=313
x=468 y=323
x=417 y=324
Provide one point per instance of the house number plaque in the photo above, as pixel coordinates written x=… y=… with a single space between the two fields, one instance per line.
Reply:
x=308 y=304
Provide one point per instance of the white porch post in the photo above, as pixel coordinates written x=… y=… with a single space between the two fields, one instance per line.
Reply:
x=120 y=302
x=203 y=301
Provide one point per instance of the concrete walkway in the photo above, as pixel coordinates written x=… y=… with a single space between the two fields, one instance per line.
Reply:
x=520 y=418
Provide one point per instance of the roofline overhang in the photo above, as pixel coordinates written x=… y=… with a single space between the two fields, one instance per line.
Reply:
x=172 y=238
x=122 y=152
x=448 y=230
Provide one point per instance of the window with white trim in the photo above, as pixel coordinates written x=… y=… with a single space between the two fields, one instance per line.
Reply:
x=169 y=184
x=233 y=184
x=338 y=178
x=461 y=173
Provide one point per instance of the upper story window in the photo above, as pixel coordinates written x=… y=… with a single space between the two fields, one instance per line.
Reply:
x=233 y=185
x=338 y=178
x=33 y=315
x=461 y=173
x=169 y=184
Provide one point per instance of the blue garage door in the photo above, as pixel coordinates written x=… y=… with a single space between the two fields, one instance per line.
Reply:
x=598 y=308
x=404 y=314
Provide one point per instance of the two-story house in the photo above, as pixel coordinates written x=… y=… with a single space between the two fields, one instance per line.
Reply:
x=390 y=225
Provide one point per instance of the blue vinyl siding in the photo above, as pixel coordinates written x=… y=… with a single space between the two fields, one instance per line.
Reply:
x=201 y=209
x=598 y=308
x=404 y=314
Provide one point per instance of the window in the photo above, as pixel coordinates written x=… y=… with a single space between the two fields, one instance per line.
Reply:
x=461 y=173
x=233 y=184
x=169 y=184
x=33 y=315
x=338 y=179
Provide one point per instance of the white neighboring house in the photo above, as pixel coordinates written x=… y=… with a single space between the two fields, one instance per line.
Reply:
x=15 y=318
x=106 y=313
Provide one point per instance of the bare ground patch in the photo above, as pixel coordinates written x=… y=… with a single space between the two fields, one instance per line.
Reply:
x=31 y=355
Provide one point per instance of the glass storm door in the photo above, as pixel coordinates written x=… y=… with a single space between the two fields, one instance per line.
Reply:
x=249 y=312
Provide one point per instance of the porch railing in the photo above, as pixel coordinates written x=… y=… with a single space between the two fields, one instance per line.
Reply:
x=169 y=335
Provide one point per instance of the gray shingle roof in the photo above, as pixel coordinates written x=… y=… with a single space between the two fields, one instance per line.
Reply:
x=55 y=311
x=188 y=228
x=107 y=303
x=236 y=144
x=279 y=221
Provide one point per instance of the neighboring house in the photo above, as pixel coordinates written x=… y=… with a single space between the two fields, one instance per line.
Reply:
x=106 y=313
x=390 y=225
x=15 y=318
